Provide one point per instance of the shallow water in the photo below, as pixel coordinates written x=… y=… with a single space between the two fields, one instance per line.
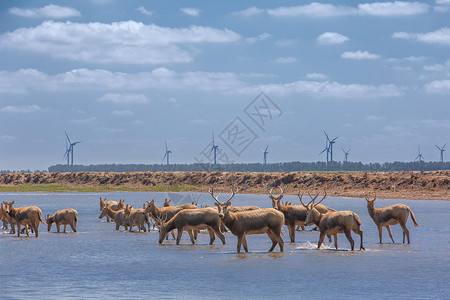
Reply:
x=101 y=262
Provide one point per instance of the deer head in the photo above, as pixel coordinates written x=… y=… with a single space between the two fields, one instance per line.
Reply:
x=222 y=206
x=276 y=199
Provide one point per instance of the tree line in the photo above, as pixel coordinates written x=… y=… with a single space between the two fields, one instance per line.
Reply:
x=258 y=167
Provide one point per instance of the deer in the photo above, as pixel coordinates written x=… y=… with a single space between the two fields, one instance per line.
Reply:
x=167 y=202
x=333 y=222
x=113 y=204
x=7 y=217
x=3 y=216
x=192 y=220
x=28 y=216
x=137 y=217
x=390 y=215
x=117 y=216
x=259 y=221
x=68 y=216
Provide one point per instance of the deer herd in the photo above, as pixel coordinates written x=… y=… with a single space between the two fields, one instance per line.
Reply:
x=241 y=221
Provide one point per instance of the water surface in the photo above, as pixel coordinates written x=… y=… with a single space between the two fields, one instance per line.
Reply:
x=99 y=262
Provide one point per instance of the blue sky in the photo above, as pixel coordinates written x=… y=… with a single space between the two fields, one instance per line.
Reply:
x=123 y=77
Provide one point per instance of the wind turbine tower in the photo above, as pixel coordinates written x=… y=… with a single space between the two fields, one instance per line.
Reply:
x=166 y=154
x=265 y=155
x=330 y=143
x=419 y=156
x=327 y=148
x=442 y=151
x=69 y=150
x=214 y=148
x=346 y=153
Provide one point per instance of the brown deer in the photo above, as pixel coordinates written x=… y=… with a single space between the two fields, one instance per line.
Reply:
x=117 y=216
x=3 y=216
x=68 y=216
x=334 y=222
x=7 y=217
x=259 y=221
x=167 y=202
x=192 y=220
x=27 y=216
x=390 y=215
x=137 y=217
x=113 y=204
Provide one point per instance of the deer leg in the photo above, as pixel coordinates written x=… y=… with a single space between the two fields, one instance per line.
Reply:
x=219 y=234
x=390 y=233
x=348 y=234
x=380 y=233
x=212 y=237
x=405 y=232
x=191 y=235
x=335 y=241
x=173 y=235
x=359 y=232
x=291 y=228
x=271 y=236
x=244 y=242
x=73 y=226
x=180 y=233
x=239 y=243
x=195 y=232
x=321 y=237
x=329 y=238
x=18 y=229
x=65 y=226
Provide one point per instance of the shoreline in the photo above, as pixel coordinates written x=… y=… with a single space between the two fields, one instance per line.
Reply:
x=413 y=185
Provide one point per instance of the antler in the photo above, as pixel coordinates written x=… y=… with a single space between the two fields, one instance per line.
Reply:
x=322 y=198
x=270 y=192
x=211 y=191
x=234 y=190
x=301 y=201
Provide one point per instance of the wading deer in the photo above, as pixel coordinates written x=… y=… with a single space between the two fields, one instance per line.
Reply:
x=8 y=219
x=68 y=216
x=334 y=222
x=259 y=221
x=27 y=216
x=137 y=217
x=113 y=204
x=167 y=202
x=390 y=215
x=118 y=216
x=193 y=220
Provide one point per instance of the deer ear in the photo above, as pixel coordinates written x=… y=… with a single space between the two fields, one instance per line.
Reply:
x=228 y=204
x=216 y=204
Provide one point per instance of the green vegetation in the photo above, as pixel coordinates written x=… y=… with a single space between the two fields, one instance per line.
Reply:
x=59 y=188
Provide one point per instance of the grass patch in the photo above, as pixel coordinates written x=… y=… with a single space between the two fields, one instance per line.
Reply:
x=59 y=188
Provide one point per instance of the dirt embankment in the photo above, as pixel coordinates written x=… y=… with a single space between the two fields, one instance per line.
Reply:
x=433 y=185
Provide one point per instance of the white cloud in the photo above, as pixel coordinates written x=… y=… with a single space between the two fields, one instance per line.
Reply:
x=21 y=109
x=391 y=9
x=122 y=113
x=359 y=55
x=286 y=60
x=316 y=76
x=194 y=12
x=443 y=2
x=379 y=9
x=331 y=38
x=261 y=37
x=438 y=86
x=163 y=78
x=144 y=11
x=120 y=42
x=7 y=137
x=440 y=36
x=251 y=11
x=124 y=98
x=49 y=11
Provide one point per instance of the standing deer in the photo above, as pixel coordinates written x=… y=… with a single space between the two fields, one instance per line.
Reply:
x=192 y=220
x=114 y=205
x=137 y=217
x=28 y=216
x=259 y=221
x=68 y=216
x=117 y=216
x=333 y=222
x=390 y=215
x=167 y=202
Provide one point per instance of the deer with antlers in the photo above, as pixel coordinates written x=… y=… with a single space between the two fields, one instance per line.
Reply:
x=294 y=215
x=390 y=215
x=333 y=222
x=259 y=221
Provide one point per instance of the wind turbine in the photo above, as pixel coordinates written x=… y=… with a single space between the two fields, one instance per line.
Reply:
x=346 y=154
x=166 y=154
x=442 y=151
x=214 y=148
x=327 y=148
x=419 y=156
x=330 y=142
x=69 y=150
x=265 y=154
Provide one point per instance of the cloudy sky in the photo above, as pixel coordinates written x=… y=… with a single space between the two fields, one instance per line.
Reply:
x=123 y=77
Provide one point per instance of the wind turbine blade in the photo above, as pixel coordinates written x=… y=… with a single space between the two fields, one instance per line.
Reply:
x=165 y=142
x=343 y=150
x=334 y=139
x=323 y=151
x=266 y=148
x=438 y=147
x=67 y=136
x=444 y=146
x=326 y=135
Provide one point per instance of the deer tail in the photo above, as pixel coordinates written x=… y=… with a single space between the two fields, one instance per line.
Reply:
x=413 y=218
